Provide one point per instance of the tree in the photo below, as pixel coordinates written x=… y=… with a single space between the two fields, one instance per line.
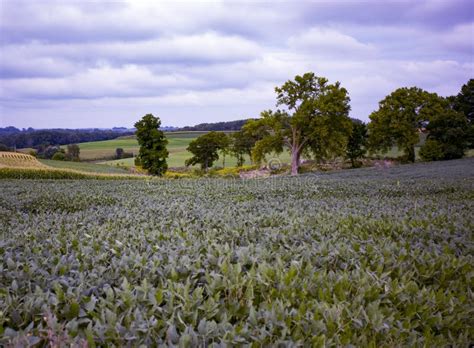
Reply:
x=242 y=143
x=72 y=153
x=153 y=153
x=315 y=121
x=464 y=102
x=3 y=147
x=48 y=151
x=225 y=147
x=401 y=117
x=205 y=150
x=447 y=136
x=357 y=142
x=119 y=153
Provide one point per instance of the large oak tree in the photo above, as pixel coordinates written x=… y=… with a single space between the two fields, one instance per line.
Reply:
x=314 y=120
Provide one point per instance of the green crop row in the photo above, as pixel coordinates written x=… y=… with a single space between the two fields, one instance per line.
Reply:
x=367 y=257
x=50 y=173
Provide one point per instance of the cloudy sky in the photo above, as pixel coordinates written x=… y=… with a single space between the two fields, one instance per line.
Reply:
x=78 y=64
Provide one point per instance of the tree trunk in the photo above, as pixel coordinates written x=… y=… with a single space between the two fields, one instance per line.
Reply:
x=295 y=161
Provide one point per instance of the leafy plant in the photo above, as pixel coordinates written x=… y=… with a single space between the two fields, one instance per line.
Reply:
x=369 y=257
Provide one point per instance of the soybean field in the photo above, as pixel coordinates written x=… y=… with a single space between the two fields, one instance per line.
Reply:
x=367 y=257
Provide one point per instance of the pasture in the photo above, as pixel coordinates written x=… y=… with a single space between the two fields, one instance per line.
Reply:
x=368 y=257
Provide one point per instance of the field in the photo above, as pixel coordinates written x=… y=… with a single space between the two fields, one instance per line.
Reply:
x=103 y=149
x=84 y=167
x=22 y=166
x=178 y=142
x=367 y=257
x=12 y=159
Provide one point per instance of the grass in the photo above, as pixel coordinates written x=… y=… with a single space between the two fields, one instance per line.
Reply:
x=84 y=167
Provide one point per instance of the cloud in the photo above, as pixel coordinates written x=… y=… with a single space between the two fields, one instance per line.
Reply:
x=330 y=43
x=105 y=81
x=74 y=63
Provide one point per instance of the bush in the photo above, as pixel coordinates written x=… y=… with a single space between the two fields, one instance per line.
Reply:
x=59 y=156
x=432 y=150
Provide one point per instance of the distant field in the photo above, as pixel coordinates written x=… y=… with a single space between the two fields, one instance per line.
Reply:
x=178 y=142
x=96 y=150
x=84 y=167
x=18 y=160
x=14 y=165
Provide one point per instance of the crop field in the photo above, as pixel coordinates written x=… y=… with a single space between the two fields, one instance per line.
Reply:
x=367 y=257
x=12 y=160
x=84 y=167
x=15 y=165
x=102 y=149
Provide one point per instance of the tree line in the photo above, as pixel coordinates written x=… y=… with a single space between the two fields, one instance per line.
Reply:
x=11 y=137
x=311 y=120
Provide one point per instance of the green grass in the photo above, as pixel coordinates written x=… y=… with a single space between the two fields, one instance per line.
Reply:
x=84 y=167
x=96 y=150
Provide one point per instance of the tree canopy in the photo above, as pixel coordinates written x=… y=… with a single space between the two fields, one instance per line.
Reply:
x=356 y=147
x=205 y=149
x=153 y=153
x=401 y=117
x=447 y=136
x=314 y=121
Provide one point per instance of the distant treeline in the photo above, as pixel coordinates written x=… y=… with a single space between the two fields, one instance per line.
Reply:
x=219 y=126
x=14 y=137
x=20 y=138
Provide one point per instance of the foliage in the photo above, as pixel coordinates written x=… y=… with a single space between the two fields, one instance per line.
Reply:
x=400 y=117
x=225 y=126
x=13 y=137
x=242 y=143
x=464 y=102
x=432 y=150
x=48 y=151
x=152 y=141
x=59 y=156
x=315 y=120
x=225 y=149
x=450 y=131
x=72 y=152
x=205 y=149
x=356 y=146
x=120 y=153
x=365 y=258
x=4 y=147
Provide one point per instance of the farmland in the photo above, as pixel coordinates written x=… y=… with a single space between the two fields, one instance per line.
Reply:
x=178 y=142
x=368 y=257
x=22 y=166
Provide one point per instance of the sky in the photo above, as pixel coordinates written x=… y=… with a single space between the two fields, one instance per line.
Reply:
x=81 y=64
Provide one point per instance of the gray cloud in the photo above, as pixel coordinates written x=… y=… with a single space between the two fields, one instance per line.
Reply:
x=106 y=63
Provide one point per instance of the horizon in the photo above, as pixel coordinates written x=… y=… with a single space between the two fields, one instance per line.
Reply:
x=104 y=65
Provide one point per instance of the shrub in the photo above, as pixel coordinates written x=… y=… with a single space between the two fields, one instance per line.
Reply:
x=432 y=150
x=59 y=156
